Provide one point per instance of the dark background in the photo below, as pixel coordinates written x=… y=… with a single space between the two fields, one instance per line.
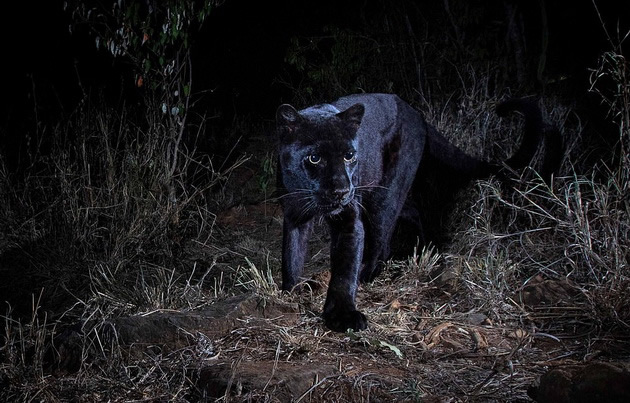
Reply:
x=241 y=50
x=240 y=68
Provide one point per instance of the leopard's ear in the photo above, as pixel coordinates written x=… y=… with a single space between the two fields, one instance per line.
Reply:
x=353 y=115
x=287 y=118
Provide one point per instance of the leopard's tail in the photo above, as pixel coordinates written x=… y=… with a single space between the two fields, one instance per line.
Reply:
x=536 y=133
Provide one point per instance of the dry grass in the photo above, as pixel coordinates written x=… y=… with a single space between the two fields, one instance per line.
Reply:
x=535 y=277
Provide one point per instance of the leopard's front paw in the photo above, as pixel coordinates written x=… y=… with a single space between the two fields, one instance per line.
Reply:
x=341 y=321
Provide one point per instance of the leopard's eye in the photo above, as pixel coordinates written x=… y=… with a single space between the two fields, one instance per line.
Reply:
x=314 y=159
x=350 y=156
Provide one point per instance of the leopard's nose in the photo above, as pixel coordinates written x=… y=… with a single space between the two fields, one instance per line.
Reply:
x=341 y=195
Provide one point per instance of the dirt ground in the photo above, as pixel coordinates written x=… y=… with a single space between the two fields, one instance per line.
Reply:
x=427 y=339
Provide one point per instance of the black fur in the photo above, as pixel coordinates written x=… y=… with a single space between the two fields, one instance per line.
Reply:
x=360 y=163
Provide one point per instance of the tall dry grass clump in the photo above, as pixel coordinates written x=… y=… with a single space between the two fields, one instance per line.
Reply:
x=97 y=216
x=90 y=229
x=102 y=195
x=574 y=230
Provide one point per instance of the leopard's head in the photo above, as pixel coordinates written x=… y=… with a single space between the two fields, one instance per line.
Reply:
x=319 y=156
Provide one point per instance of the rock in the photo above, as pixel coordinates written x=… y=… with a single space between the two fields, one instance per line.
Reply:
x=446 y=278
x=285 y=381
x=168 y=330
x=474 y=318
x=540 y=292
x=592 y=383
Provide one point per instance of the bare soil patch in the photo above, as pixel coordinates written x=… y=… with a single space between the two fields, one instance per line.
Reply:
x=429 y=338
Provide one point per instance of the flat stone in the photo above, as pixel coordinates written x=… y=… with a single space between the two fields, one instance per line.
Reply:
x=286 y=381
x=170 y=330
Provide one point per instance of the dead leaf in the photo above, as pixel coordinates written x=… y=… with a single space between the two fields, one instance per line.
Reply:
x=480 y=340
x=433 y=336
x=518 y=334
x=395 y=305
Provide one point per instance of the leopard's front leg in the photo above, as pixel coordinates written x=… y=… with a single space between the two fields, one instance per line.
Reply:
x=294 y=250
x=346 y=252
